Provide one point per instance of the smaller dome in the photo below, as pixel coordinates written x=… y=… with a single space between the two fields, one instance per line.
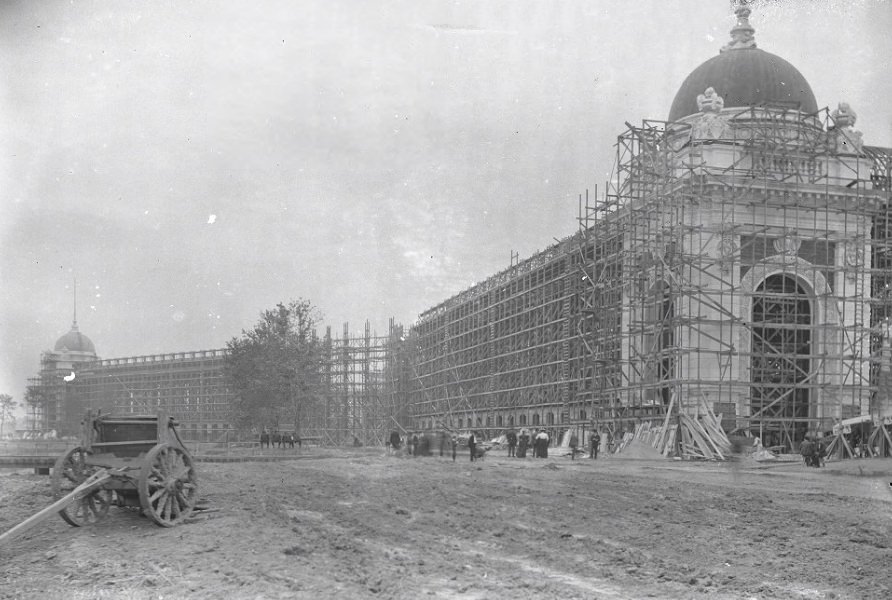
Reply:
x=74 y=341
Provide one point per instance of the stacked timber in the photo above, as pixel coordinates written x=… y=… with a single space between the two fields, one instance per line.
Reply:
x=698 y=436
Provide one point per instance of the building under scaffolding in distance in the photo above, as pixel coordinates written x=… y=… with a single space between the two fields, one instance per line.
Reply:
x=356 y=400
x=738 y=263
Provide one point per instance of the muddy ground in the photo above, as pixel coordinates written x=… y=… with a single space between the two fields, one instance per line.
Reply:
x=360 y=524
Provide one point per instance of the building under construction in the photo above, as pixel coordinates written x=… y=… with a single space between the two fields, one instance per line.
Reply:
x=737 y=264
x=357 y=398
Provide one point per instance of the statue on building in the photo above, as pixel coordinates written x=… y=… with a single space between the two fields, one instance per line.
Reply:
x=742 y=34
x=842 y=136
x=788 y=245
x=728 y=252
x=854 y=259
x=711 y=125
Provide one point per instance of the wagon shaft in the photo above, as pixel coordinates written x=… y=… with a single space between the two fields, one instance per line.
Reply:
x=94 y=482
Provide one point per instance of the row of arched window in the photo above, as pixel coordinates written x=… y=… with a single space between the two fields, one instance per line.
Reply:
x=499 y=421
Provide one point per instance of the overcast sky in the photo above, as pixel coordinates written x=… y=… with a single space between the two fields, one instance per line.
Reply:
x=193 y=163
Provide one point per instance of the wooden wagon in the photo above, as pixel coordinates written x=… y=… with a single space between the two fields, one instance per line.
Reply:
x=127 y=460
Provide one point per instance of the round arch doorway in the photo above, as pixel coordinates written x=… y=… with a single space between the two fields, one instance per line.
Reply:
x=781 y=360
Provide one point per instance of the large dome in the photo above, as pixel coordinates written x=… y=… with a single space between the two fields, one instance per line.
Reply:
x=74 y=341
x=744 y=75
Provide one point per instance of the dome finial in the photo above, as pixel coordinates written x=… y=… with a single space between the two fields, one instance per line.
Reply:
x=742 y=33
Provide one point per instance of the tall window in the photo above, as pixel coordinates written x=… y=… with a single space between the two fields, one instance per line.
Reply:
x=781 y=358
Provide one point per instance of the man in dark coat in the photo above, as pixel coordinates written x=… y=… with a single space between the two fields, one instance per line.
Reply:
x=512 y=442
x=807 y=450
x=595 y=441
x=574 y=442
x=395 y=441
x=472 y=446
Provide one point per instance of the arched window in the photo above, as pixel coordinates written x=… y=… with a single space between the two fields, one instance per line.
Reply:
x=461 y=423
x=535 y=418
x=511 y=421
x=499 y=421
x=781 y=363
x=582 y=415
x=549 y=418
x=523 y=419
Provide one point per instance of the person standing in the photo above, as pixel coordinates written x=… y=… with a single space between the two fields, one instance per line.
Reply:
x=512 y=442
x=807 y=450
x=472 y=446
x=524 y=442
x=395 y=441
x=595 y=442
x=454 y=447
x=544 y=444
x=414 y=445
x=574 y=442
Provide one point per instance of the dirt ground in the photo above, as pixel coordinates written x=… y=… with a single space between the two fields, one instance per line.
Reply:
x=361 y=524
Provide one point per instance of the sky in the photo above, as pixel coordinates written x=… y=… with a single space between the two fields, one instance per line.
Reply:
x=193 y=163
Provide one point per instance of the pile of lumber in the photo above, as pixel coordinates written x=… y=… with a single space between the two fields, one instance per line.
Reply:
x=697 y=435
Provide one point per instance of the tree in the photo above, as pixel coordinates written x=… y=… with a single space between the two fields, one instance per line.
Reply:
x=37 y=397
x=274 y=368
x=7 y=405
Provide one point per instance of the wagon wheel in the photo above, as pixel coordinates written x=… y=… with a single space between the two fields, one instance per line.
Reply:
x=71 y=469
x=168 y=486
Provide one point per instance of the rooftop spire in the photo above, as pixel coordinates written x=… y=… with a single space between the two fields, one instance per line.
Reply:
x=74 y=323
x=742 y=34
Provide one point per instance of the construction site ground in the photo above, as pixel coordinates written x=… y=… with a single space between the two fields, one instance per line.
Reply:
x=359 y=523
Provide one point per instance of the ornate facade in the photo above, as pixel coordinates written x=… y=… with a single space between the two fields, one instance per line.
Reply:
x=738 y=262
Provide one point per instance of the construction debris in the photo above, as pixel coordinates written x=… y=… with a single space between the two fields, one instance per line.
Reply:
x=685 y=436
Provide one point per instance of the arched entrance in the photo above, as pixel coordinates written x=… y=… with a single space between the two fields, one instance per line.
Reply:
x=780 y=360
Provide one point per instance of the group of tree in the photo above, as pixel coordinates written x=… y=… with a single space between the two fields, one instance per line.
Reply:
x=274 y=368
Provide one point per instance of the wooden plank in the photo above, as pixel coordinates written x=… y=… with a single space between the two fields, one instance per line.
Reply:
x=698 y=435
x=668 y=414
x=91 y=483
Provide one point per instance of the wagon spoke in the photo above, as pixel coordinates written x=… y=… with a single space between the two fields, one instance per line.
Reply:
x=89 y=505
x=166 y=510
x=154 y=497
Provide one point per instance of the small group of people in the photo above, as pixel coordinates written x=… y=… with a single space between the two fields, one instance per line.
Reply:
x=594 y=442
x=276 y=438
x=813 y=452
x=423 y=445
x=518 y=444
